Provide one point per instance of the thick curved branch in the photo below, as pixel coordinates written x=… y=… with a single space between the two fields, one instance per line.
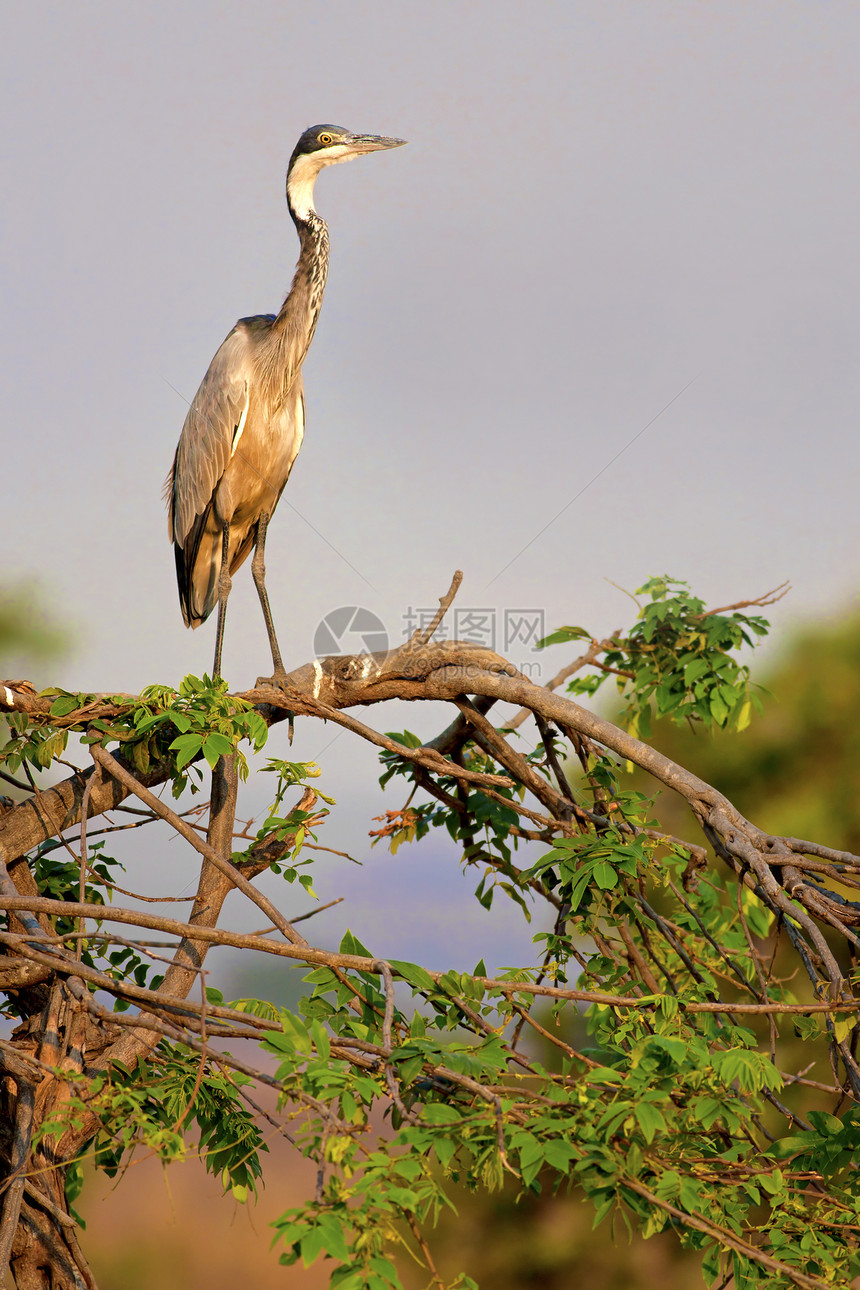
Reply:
x=444 y=671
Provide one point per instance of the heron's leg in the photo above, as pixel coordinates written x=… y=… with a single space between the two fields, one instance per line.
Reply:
x=258 y=570
x=225 y=582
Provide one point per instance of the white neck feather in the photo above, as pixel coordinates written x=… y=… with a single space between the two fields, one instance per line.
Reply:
x=303 y=176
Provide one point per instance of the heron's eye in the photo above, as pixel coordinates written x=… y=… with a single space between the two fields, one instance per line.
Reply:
x=325 y=138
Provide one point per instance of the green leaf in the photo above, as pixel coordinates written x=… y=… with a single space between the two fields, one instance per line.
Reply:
x=440 y=1113
x=350 y=944
x=842 y=1026
x=825 y=1123
x=668 y=1004
x=312 y=1245
x=445 y=1150
x=650 y=1120
x=186 y=747
x=295 y=1032
x=215 y=746
x=413 y=974
x=65 y=704
x=335 y=1239
x=773 y=1183
x=718 y=707
x=676 y=1048
x=603 y=1075
x=605 y=875
x=321 y=1039
x=562 y=635
x=792 y=1145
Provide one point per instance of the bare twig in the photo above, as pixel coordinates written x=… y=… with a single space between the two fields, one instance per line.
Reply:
x=769 y=598
x=82 y=879
x=421 y=636
x=311 y=955
x=113 y=767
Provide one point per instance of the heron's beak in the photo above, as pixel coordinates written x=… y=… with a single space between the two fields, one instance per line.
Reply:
x=360 y=143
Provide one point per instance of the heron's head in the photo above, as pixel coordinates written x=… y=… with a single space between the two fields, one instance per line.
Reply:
x=320 y=146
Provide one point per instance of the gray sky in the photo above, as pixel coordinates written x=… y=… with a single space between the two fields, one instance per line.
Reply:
x=599 y=204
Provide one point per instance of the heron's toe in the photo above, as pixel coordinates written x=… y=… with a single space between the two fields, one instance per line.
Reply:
x=277 y=681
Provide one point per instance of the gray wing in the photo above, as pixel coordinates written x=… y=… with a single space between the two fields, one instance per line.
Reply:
x=216 y=416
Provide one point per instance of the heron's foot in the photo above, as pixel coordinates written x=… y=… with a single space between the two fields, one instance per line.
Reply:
x=277 y=681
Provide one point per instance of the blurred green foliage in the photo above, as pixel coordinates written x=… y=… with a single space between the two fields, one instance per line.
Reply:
x=795 y=770
x=28 y=632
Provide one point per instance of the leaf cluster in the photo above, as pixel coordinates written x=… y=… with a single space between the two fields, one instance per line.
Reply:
x=676 y=661
x=157 y=1105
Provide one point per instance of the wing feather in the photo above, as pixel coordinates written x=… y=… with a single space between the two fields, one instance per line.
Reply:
x=214 y=421
x=213 y=426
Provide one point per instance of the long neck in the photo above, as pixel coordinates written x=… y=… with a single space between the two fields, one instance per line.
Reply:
x=293 y=329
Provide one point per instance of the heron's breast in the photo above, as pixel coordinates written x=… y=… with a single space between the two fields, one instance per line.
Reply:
x=262 y=459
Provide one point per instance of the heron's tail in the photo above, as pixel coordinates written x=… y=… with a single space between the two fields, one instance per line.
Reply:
x=198 y=564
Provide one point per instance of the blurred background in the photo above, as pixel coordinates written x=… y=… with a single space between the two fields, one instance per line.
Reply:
x=598 y=321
